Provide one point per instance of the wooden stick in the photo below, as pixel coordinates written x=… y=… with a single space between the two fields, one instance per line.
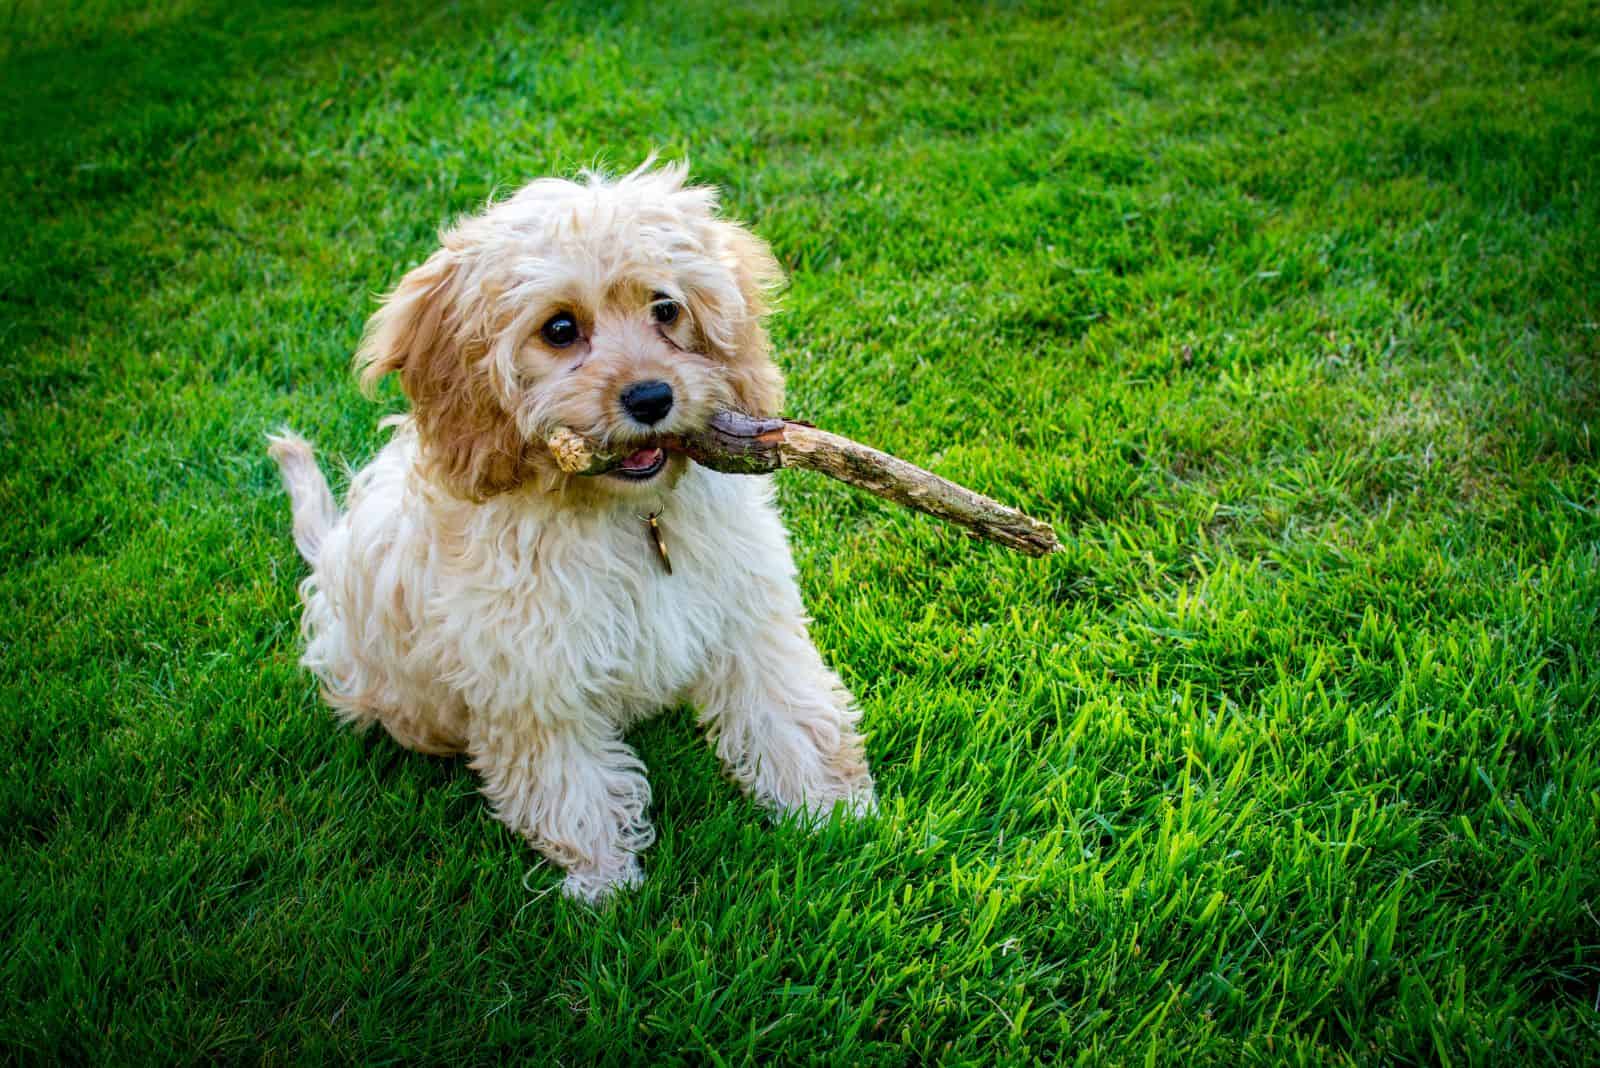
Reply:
x=739 y=444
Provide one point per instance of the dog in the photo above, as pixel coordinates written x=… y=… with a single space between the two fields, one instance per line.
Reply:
x=473 y=599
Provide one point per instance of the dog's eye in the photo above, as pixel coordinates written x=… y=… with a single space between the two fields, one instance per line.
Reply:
x=663 y=309
x=561 y=330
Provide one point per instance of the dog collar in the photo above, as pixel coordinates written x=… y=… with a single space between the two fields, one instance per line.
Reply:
x=655 y=536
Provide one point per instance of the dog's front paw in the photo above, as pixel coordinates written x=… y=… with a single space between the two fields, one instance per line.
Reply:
x=816 y=806
x=593 y=885
x=861 y=803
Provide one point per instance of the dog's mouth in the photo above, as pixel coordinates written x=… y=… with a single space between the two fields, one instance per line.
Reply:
x=642 y=464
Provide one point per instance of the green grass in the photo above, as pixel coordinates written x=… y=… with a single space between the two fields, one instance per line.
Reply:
x=1285 y=314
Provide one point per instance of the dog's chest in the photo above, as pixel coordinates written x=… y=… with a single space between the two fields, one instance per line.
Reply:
x=649 y=631
x=583 y=615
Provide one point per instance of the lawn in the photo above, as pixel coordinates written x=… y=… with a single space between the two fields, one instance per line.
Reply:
x=1284 y=314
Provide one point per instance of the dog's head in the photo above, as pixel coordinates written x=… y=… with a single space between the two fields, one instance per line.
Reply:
x=620 y=308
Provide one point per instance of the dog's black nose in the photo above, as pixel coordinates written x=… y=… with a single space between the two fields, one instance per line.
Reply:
x=648 y=402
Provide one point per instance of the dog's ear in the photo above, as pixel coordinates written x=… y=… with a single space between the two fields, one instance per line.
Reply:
x=757 y=382
x=431 y=331
x=409 y=324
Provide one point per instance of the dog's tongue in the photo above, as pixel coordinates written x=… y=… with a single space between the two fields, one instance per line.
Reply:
x=643 y=460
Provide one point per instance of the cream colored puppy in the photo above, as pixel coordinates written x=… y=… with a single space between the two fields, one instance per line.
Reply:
x=473 y=598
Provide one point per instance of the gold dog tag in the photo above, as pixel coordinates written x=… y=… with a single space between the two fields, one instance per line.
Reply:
x=655 y=536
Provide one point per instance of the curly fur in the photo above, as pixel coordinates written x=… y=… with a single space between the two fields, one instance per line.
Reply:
x=471 y=598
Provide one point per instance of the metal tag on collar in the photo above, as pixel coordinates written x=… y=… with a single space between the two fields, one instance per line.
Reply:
x=655 y=536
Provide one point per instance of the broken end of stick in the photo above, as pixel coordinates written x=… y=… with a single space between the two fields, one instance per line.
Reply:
x=571 y=450
x=1039 y=539
x=1045 y=544
x=1050 y=539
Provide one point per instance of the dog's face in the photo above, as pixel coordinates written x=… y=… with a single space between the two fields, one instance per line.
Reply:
x=622 y=309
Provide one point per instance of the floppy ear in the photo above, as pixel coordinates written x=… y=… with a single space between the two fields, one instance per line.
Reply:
x=757 y=382
x=432 y=332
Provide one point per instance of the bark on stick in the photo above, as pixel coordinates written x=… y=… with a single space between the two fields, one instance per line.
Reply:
x=742 y=445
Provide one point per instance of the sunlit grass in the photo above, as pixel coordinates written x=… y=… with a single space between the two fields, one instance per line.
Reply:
x=1285 y=314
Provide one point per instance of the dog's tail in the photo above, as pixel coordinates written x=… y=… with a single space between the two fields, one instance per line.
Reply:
x=314 y=508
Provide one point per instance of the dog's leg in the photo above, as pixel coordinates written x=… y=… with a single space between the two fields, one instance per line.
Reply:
x=783 y=723
x=576 y=792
